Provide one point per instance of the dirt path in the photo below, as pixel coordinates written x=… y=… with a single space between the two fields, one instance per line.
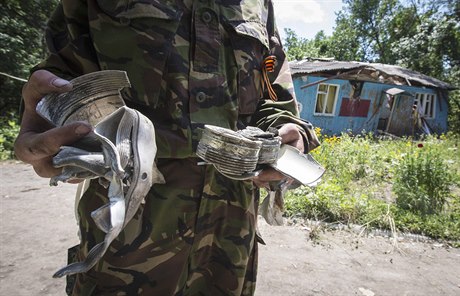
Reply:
x=37 y=226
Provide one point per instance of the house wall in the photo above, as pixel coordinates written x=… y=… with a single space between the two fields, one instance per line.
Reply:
x=371 y=95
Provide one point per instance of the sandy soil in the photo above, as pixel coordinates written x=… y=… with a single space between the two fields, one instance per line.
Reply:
x=37 y=226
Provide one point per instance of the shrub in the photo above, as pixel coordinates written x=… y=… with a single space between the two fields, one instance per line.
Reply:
x=387 y=184
x=329 y=202
x=422 y=182
x=9 y=129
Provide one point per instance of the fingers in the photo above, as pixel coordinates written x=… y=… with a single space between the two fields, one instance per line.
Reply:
x=33 y=148
x=38 y=149
x=41 y=83
x=44 y=168
x=266 y=176
x=290 y=135
x=38 y=141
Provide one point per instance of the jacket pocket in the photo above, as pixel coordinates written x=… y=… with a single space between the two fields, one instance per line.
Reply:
x=135 y=36
x=250 y=45
x=247 y=20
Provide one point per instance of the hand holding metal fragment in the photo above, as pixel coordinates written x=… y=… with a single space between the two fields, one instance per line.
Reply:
x=120 y=152
x=230 y=152
x=242 y=154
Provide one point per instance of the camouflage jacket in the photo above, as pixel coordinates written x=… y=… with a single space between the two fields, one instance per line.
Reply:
x=190 y=62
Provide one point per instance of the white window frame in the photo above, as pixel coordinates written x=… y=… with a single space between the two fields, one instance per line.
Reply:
x=328 y=85
x=426 y=103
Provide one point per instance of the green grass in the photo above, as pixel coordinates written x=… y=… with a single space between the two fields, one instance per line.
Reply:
x=410 y=185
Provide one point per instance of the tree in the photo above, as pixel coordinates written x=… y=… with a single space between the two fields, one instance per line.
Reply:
x=434 y=48
x=422 y=35
x=299 y=48
x=344 y=44
x=22 y=25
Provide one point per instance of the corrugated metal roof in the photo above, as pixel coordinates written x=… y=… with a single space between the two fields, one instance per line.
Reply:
x=413 y=77
x=307 y=66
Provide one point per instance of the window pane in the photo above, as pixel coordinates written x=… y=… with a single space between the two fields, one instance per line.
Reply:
x=430 y=104
x=426 y=108
x=331 y=99
x=320 y=103
x=322 y=88
x=417 y=99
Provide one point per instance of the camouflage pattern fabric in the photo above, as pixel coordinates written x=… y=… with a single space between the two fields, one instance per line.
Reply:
x=193 y=236
x=190 y=63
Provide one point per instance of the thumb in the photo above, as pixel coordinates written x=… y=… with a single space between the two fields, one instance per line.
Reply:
x=35 y=146
x=40 y=83
x=53 y=139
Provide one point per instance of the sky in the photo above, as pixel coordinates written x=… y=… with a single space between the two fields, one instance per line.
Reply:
x=306 y=17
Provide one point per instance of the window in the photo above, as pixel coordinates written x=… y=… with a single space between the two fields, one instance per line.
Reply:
x=356 y=88
x=326 y=97
x=425 y=104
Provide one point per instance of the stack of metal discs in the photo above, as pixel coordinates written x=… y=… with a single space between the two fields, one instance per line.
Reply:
x=270 y=143
x=230 y=152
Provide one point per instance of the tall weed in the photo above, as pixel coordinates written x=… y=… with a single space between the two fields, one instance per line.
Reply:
x=375 y=182
x=422 y=181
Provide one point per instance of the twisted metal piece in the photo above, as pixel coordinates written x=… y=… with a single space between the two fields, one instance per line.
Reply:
x=119 y=152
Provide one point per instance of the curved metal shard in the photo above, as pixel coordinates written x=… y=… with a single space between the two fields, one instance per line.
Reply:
x=120 y=151
x=272 y=207
x=146 y=173
x=126 y=127
x=117 y=206
x=114 y=132
x=301 y=167
x=91 y=161
x=93 y=97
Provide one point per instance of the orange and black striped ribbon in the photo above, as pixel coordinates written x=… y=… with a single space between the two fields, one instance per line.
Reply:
x=269 y=66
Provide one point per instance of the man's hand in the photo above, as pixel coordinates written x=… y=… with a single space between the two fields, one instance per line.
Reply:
x=38 y=141
x=290 y=135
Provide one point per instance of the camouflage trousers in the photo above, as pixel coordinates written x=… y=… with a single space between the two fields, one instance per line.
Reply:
x=194 y=235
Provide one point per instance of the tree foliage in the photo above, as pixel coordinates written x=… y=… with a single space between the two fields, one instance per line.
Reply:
x=21 y=29
x=300 y=48
x=422 y=35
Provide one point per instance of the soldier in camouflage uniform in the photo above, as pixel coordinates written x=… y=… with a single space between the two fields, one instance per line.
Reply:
x=190 y=63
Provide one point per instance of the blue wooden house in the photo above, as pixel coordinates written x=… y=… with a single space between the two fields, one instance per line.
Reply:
x=368 y=97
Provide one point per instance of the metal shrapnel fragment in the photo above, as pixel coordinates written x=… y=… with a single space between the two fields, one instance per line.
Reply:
x=270 y=143
x=120 y=152
x=93 y=97
x=301 y=167
x=228 y=151
x=241 y=155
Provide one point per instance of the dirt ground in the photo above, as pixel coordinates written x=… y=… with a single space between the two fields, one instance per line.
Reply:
x=37 y=226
